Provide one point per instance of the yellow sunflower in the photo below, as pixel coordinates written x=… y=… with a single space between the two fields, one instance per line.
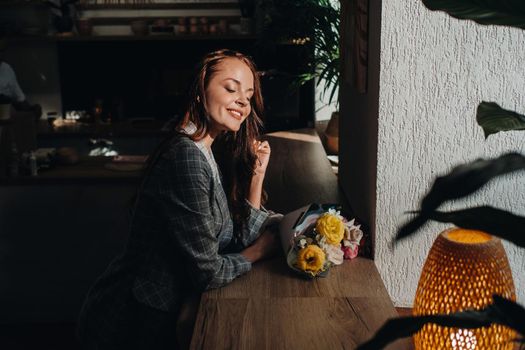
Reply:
x=331 y=227
x=310 y=259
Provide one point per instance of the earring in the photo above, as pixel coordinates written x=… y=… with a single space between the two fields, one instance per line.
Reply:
x=198 y=99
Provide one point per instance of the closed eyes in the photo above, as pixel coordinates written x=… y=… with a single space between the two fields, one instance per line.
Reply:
x=231 y=91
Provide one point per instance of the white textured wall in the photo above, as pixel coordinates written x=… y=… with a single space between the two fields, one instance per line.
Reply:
x=434 y=72
x=323 y=109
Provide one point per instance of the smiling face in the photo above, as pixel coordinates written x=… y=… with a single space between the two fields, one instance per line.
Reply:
x=228 y=95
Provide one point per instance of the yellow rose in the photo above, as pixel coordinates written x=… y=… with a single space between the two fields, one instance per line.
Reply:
x=331 y=227
x=310 y=259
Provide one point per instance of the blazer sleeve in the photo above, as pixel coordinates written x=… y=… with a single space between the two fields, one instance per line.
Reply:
x=185 y=190
x=253 y=226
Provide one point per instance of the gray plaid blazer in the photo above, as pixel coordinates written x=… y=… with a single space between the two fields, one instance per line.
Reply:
x=183 y=221
x=181 y=239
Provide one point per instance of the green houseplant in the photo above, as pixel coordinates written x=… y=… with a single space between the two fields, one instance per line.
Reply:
x=325 y=62
x=465 y=180
x=314 y=26
x=326 y=65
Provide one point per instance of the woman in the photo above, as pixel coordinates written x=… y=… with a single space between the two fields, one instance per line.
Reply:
x=188 y=233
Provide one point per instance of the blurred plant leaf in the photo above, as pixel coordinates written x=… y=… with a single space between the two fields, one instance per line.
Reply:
x=488 y=219
x=502 y=311
x=463 y=180
x=498 y=12
x=492 y=118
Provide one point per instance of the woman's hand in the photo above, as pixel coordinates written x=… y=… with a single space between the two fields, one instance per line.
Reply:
x=267 y=245
x=262 y=151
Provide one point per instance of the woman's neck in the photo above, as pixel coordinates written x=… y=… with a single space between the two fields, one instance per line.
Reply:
x=208 y=139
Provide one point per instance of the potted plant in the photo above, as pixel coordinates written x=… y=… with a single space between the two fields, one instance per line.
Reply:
x=465 y=180
x=322 y=22
x=315 y=26
x=325 y=64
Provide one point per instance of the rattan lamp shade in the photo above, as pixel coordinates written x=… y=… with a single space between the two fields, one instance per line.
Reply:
x=464 y=268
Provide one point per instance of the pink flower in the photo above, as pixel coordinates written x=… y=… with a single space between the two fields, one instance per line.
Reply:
x=350 y=251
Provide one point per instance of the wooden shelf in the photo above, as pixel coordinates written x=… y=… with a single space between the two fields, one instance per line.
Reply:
x=116 y=129
x=152 y=37
x=158 y=37
x=162 y=6
x=12 y=3
x=128 y=19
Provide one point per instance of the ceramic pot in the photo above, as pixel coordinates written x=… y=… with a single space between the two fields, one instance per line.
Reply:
x=332 y=134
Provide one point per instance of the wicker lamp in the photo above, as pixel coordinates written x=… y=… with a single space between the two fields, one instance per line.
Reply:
x=464 y=268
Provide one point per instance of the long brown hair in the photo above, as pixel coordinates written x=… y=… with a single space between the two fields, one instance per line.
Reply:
x=237 y=157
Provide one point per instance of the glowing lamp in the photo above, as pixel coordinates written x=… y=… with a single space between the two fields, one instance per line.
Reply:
x=464 y=268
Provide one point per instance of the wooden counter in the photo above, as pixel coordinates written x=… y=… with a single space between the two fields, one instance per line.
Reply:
x=273 y=308
x=128 y=128
x=89 y=170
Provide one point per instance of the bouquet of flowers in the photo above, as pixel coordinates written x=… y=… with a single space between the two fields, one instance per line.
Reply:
x=320 y=238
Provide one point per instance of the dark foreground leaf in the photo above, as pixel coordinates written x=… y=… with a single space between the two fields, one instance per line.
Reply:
x=493 y=119
x=498 y=12
x=462 y=181
x=495 y=221
x=502 y=311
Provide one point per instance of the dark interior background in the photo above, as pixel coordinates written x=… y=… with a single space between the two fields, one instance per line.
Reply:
x=150 y=78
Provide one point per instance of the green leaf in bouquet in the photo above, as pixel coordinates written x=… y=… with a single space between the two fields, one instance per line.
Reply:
x=493 y=119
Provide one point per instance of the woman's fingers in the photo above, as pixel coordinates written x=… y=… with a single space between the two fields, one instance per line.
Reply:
x=263 y=146
x=262 y=151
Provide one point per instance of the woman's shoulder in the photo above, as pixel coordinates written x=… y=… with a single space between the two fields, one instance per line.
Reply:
x=183 y=154
x=182 y=147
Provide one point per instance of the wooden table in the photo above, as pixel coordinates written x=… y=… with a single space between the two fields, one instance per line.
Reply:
x=273 y=308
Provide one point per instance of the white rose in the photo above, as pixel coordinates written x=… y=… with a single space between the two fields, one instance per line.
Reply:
x=334 y=254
